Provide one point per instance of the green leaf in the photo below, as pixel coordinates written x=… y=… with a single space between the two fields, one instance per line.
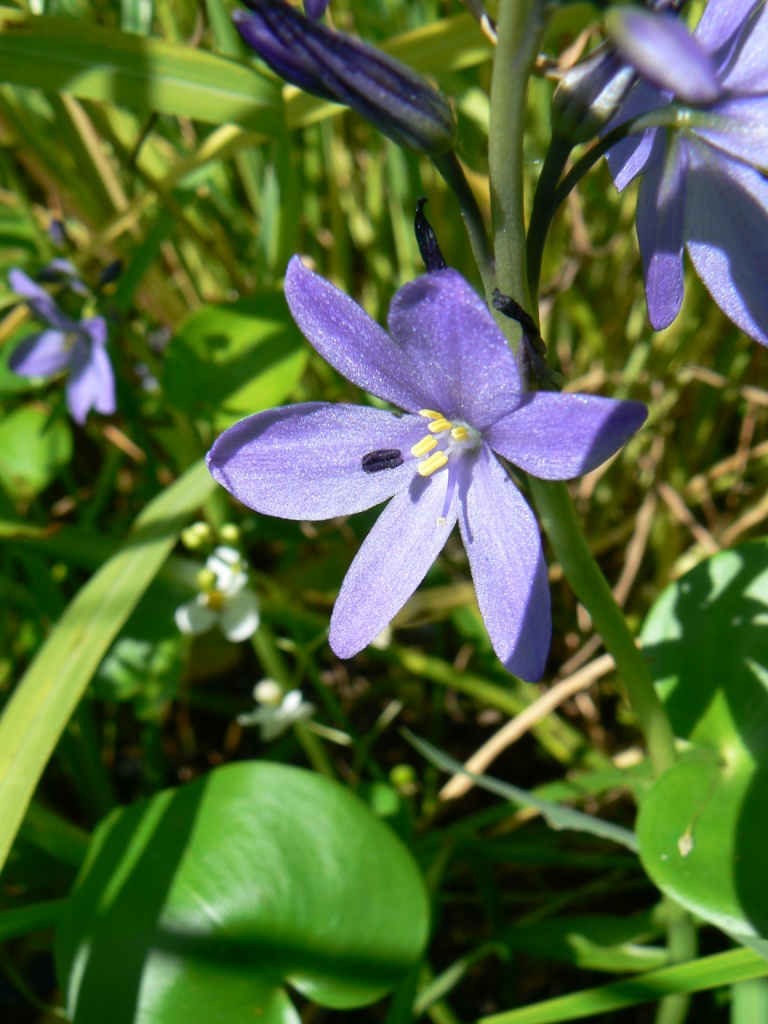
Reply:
x=21 y=920
x=145 y=75
x=232 y=360
x=697 y=976
x=556 y=815
x=703 y=827
x=33 y=447
x=46 y=696
x=203 y=902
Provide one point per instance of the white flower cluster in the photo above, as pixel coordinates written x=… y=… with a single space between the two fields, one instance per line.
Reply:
x=278 y=711
x=224 y=599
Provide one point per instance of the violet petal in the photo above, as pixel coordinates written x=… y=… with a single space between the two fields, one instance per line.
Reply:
x=85 y=382
x=104 y=381
x=558 y=436
x=315 y=9
x=392 y=562
x=660 y=221
x=740 y=128
x=628 y=158
x=721 y=20
x=39 y=301
x=746 y=70
x=41 y=354
x=291 y=64
x=726 y=234
x=508 y=569
x=465 y=364
x=350 y=340
x=662 y=50
x=305 y=461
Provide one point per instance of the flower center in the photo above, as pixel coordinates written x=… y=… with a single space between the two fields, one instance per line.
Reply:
x=445 y=438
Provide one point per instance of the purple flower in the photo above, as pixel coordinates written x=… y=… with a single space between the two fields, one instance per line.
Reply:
x=702 y=182
x=447 y=364
x=399 y=102
x=76 y=346
x=315 y=9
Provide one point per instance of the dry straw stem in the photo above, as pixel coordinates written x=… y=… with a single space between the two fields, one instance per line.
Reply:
x=510 y=733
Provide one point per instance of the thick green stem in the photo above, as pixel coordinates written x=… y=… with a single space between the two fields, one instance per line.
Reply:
x=558 y=516
x=520 y=29
x=682 y=945
x=450 y=169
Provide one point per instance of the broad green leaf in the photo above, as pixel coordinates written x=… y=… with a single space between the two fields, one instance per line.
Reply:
x=232 y=360
x=202 y=903
x=697 y=976
x=703 y=827
x=556 y=815
x=43 y=701
x=33 y=447
x=145 y=75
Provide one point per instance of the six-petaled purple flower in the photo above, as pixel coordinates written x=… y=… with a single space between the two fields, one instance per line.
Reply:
x=77 y=346
x=447 y=364
x=702 y=181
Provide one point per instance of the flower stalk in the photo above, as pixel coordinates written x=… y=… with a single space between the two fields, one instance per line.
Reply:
x=520 y=29
x=558 y=516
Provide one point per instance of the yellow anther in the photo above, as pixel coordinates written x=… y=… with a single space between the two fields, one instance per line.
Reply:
x=437 y=426
x=430 y=414
x=441 y=520
x=460 y=434
x=214 y=599
x=426 y=444
x=435 y=461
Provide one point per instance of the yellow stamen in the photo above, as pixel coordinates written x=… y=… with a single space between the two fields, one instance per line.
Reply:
x=426 y=444
x=430 y=414
x=460 y=434
x=435 y=461
x=215 y=600
x=437 y=426
x=441 y=520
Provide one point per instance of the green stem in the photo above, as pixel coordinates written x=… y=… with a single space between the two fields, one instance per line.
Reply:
x=543 y=208
x=451 y=170
x=682 y=946
x=558 y=516
x=520 y=29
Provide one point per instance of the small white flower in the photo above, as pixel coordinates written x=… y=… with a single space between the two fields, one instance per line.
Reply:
x=278 y=711
x=226 y=602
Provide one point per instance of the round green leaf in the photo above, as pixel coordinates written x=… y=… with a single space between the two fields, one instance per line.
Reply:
x=33 y=447
x=703 y=827
x=203 y=902
x=229 y=361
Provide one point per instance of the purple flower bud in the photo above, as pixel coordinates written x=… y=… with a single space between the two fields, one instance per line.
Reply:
x=587 y=97
x=398 y=101
x=315 y=9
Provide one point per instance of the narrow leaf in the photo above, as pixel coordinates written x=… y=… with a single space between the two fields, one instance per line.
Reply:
x=50 y=690
x=556 y=815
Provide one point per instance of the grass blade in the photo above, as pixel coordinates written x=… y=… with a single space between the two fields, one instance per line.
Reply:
x=697 y=976
x=50 y=690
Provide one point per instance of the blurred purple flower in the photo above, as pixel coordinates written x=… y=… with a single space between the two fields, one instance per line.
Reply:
x=398 y=101
x=448 y=365
x=76 y=346
x=315 y=9
x=702 y=182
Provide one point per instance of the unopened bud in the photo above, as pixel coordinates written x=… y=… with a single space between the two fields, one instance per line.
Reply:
x=196 y=535
x=230 y=533
x=269 y=693
x=206 y=580
x=589 y=95
x=397 y=100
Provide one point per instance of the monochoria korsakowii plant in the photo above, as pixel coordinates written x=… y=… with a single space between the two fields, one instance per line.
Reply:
x=703 y=184
x=445 y=363
x=78 y=347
